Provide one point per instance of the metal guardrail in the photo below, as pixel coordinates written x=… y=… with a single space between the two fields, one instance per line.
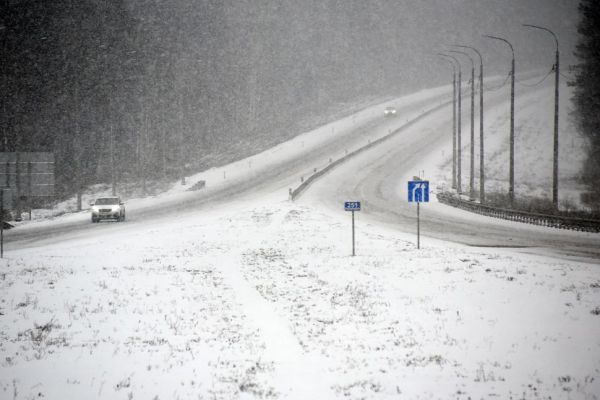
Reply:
x=553 y=221
x=306 y=182
x=295 y=193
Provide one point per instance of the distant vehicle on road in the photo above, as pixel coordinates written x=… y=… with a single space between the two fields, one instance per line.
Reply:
x=108 y=208
x=390 y=112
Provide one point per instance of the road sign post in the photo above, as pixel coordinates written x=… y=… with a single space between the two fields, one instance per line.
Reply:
x=418 y=228
x=352 y=206
x=418 y=192
x=353 y=242
x=1 y=223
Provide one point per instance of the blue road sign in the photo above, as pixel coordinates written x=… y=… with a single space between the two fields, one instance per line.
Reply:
x=418 y=191
x=352 y=205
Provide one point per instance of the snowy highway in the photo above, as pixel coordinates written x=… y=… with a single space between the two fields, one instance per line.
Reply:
x=235 y=292
x=273 y=171
x=416 y=141
x=379 y=178
x=233 y=134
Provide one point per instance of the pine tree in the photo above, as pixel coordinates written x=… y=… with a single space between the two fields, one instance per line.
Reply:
x=587 y=94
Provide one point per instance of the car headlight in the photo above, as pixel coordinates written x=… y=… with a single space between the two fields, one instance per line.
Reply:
x=95 y=209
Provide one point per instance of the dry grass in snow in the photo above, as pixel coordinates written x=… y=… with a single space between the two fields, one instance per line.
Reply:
x=267 y=303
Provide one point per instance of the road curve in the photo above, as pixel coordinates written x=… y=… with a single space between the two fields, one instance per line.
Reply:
x=378 y=177
x=281 y=175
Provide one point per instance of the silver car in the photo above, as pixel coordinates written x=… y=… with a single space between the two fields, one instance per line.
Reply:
x=108 y=208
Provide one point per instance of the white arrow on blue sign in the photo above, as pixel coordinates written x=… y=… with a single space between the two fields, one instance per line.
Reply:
x=352 y=205
x=418 y=191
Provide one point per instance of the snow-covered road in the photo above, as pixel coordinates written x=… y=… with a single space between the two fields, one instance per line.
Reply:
x=379 y=179
x=274 y=170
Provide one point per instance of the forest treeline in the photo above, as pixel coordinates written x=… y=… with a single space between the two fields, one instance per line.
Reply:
x=587 y=95
x=157 y=88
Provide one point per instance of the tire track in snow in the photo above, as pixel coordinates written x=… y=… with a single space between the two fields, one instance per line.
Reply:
x=297 y=375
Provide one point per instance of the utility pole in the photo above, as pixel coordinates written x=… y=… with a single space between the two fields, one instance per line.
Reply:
x=454 y=84
x=458 y=136
x=555 y=152
x=556 y=97
x=511 y=166
x=512 y=132
x=453 y=119
x=481 y=138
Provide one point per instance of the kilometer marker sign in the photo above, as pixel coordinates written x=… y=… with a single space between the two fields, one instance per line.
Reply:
x=352 y=206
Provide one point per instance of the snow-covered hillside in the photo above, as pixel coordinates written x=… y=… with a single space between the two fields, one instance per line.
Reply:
x=534 y=127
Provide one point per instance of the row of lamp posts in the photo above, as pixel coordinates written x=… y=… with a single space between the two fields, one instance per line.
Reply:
x=457 y=124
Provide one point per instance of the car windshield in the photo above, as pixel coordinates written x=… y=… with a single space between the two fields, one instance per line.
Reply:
x=107 y=201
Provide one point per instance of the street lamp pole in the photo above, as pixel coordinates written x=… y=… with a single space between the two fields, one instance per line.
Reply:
x=458 y=128
x=481 y=140
x=472 y=147
x=556 y=81
x=511 y=185
x=453 y=119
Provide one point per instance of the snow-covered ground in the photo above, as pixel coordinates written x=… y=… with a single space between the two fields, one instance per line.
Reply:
x=260 y=298
x=265 y=301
